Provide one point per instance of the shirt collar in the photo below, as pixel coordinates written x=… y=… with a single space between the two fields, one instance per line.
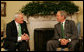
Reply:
x=64 y=22
x=16 y=23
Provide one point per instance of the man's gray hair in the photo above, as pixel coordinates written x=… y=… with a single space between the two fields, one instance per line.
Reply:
x=17 y=14
x=63 y=13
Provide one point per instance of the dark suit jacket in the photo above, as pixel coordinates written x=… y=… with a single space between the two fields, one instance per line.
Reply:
x=12 y=34
x=70 y=30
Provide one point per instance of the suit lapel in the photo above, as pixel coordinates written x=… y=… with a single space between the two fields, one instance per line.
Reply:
x=65 y=26
x=59 y=29
x=22 y=28
x=14 y=27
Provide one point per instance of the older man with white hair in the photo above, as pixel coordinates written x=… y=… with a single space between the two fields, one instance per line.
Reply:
x=17 y=34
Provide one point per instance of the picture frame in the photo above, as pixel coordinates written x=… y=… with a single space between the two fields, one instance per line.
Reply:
x=3 y=9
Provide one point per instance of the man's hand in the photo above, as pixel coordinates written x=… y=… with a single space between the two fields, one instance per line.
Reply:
x=64 y=41
x=24 y=37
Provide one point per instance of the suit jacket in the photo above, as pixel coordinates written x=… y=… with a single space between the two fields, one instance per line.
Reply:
x=70 y=30
x=12 y=33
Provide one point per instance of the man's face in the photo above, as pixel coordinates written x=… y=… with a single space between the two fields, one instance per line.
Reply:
x=20 y=18
x=59 y=17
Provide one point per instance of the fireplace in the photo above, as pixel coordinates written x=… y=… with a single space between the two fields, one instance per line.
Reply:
x=41 y=36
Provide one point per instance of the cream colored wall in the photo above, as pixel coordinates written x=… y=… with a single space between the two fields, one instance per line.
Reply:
x=15 y=6
x=12 y=7
x=80 y=15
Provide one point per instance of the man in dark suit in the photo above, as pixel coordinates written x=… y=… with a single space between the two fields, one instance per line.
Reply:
x=65 y=33
x=16 y=34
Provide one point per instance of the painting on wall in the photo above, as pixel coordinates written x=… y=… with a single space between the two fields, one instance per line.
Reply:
x=3 y=9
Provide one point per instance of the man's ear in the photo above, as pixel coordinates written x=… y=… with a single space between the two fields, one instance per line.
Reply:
x=63 y=16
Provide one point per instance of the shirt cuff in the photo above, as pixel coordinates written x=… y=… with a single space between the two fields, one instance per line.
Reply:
x=69 y=40
x=59 y=39
x=19 y=39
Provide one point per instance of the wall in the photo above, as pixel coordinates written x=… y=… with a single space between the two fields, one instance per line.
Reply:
x=15 y=6
x=80 y=15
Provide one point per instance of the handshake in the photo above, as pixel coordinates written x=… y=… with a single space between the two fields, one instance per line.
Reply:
x=25 y=37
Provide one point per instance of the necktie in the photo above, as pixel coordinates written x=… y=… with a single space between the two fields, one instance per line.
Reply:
x=19 y=30
x=62 y=30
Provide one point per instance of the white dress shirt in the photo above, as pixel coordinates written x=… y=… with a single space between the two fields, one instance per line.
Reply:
x=17 y=25
x=63 y=23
